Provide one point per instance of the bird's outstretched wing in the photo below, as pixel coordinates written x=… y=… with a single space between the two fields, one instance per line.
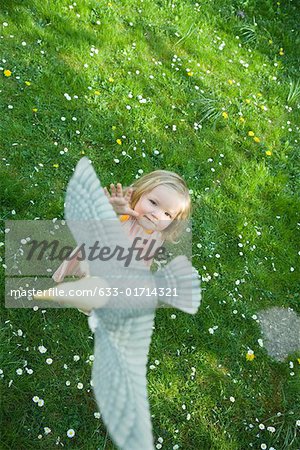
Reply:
x=91 y=219
x=122 y=340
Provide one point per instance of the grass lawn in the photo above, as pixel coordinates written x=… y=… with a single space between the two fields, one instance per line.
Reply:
x=211 y=91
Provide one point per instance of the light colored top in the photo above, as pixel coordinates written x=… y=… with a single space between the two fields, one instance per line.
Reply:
x=133 y=230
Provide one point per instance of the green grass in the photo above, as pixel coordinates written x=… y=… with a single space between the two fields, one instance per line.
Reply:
x=250 y=197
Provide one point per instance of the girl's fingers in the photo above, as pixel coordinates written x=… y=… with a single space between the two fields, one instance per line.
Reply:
x=113 y=190
x=119 y=190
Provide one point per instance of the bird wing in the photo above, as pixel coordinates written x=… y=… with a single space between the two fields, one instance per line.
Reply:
x=91 y=218
x=122 y=340
x=180 y=284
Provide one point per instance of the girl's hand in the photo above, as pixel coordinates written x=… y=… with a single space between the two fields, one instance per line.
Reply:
x=119 y=201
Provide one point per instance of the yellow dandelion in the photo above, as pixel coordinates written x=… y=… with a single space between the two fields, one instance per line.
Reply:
x=27 y=83
x=56 y=166
x=34 y=110
x=250 y=133
x=113 y=127
x=7 y=73
x=268 y=153
x=109 y=4
x=259 y=94
x=97 y=92
x=119 y=141
x=111 y=80
x=230 y=81
x=270 y=41
x=256 y=139
x=242 y=120
x=247 y=100
x=250 y=355
x=298 y=359
x=190 y=74
x=281 y=52
x=225 y=115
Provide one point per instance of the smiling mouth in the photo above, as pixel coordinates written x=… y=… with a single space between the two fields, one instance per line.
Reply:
x=150 y=220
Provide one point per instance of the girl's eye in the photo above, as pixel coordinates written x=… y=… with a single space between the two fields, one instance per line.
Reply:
x=152 y=201
x=167 y=214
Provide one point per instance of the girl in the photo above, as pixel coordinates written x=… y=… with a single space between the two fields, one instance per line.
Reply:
x=156 y=204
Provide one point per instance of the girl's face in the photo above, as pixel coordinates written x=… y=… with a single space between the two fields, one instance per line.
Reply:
x=158 y=208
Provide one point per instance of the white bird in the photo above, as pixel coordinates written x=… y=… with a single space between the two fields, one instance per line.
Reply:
x=122 y=324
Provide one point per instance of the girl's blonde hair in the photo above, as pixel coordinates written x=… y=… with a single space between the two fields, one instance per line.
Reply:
x=151 y=180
